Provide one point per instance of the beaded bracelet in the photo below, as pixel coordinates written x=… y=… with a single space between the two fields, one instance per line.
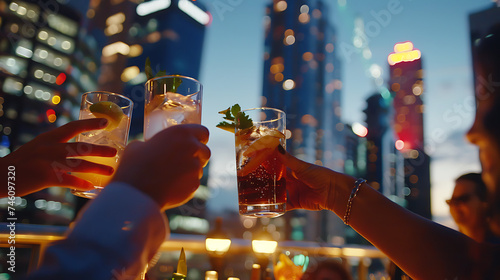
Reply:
x=354 y=192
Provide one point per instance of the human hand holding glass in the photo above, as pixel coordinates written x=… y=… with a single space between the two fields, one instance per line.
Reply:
x=261 y=181
x=47 y=159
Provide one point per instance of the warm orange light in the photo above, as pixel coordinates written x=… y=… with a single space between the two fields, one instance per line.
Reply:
x=403 y=52
x=51 y=115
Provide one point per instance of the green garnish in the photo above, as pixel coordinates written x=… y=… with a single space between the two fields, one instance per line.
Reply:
x=237 y=119
x=171 y=87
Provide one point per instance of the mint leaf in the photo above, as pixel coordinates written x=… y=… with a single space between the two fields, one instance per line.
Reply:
x=161 y=73
x=226 y=126
x=172 y=87
x=235 y=109
x=238 y=119
x=148 y=70
x=243 y=121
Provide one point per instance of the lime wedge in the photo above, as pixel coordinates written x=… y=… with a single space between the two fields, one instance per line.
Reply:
x=108 y=110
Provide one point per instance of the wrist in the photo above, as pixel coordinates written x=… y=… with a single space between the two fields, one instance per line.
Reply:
x=343 y=185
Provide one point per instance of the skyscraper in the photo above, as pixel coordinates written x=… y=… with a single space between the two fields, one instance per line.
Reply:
x=406 y=85
x=302 y=77
x=47 y=60
x=385 y=170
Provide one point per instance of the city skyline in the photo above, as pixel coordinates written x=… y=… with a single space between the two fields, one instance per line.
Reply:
x=442 y=37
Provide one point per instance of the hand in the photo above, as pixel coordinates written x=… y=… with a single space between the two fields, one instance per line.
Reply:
x=169 y=166
x=44 y=161
x=309 y=186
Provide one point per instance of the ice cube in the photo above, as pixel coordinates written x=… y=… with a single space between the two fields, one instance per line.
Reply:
x=160 y=119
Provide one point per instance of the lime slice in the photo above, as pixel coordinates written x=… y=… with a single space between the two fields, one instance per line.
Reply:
x=264 y=142
x=108 y=110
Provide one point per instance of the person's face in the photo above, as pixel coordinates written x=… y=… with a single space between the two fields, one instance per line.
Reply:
x=489 y=148
x=465 y=206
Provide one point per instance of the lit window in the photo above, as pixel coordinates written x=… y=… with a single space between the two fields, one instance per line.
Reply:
x=417 y=89
x=304 y=18
x=280 y=6
x=329 y=47
x=307 y=56
x=289 y=40
x=43 y=35
x=288 y=84
x=278 y=77
x=129 y=73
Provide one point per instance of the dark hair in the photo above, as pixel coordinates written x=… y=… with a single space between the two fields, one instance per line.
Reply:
x=329 y=264
x=487 y=65
x=476 y=178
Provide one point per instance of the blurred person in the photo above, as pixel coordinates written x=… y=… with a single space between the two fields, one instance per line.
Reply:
x=421 y=248
x=119 y=231
x=45 y=161
x=469 y=208
x=327 y=270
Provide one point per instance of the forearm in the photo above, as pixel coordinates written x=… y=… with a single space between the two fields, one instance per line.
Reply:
x=422 y=248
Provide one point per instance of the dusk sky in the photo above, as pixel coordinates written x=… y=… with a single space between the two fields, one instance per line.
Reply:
x=232 y=72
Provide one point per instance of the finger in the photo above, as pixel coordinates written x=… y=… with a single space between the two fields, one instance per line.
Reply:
x=200 y=132
x=83 y=166
x=295 y=164
x=71 y=181
x=203 y=154
x=71 y=129
x=81 y=149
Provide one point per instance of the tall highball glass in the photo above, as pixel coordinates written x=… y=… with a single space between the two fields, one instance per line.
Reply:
x=260 y=173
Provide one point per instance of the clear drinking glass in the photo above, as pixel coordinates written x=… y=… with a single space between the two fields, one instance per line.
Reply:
x=260 y=173
x=114 y=135
x=171 y=100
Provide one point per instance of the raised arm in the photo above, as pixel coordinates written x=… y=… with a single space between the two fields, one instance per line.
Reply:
x=422 y=248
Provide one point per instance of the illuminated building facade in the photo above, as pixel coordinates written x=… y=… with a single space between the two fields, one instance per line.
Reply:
x=406 y=85
x=47 y=60
x=302 y=77
x=385 y=164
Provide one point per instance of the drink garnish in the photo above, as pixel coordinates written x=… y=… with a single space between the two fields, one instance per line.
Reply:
x=108 y=110
x=171 y=87
x=237 y=119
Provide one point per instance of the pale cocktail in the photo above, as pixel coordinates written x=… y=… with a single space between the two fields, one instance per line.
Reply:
x=171 y=100
x=117 y=109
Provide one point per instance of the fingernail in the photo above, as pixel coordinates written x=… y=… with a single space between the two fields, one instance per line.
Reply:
x=281 y=149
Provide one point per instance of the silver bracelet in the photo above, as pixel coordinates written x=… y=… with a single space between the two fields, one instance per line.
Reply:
x=354 y=192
